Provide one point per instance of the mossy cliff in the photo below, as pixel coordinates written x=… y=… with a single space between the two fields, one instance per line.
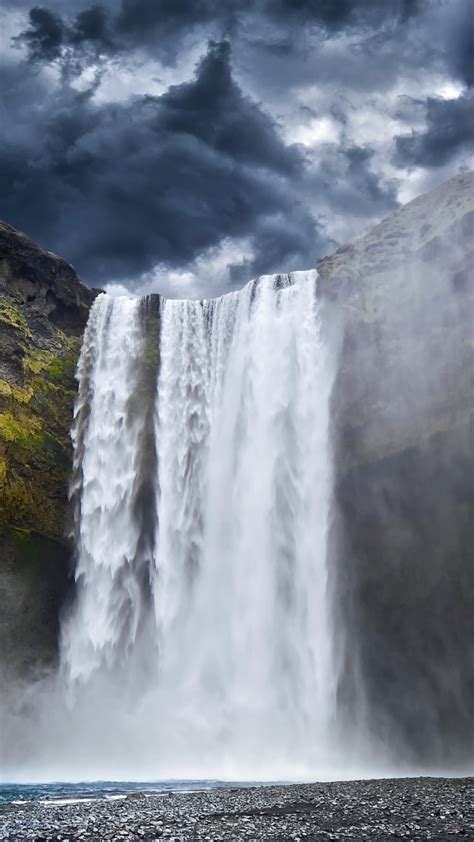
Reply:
x=43 y=312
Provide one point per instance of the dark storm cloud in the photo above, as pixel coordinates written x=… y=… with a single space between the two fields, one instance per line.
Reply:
x=166 y=20
x=449 y=130
x=50 y=37
x=120 y=188
x=281 y=244
x=140 y=18
x=162 y=25
x=345 y=176
x=360 y=176
x=337 y=14
x=91 y=25
x=45 y=35
x=457 y=38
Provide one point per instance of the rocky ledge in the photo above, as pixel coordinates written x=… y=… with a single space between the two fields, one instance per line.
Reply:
x=416 y=808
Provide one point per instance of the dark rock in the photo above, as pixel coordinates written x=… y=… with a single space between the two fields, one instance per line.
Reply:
x=43 y=282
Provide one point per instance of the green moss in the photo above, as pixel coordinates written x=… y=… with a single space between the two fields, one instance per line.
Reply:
x=36 y=456
x=12 y=315
x=61 y=369
x=69 y=344
x=35 y=417
x=55 y=365
x=56 y=368
x=31 y=549
x=53 y=403
x=36 y=404
x=24 y=431
x=23 y=504
x=24 y=546
x=36 y=360
x=15 y=393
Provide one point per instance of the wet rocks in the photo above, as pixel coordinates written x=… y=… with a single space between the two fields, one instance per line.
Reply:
x=417 y=808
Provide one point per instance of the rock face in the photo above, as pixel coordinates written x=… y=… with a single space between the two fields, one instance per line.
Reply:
x=43 y=311
x=403 y=529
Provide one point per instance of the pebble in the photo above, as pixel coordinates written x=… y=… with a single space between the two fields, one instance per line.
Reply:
x=403 y=808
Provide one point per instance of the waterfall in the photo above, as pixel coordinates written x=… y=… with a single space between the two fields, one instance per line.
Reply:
x=106 y=437
x=226 y=622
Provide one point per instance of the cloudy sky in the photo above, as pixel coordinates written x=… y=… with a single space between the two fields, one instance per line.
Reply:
x=186 y=146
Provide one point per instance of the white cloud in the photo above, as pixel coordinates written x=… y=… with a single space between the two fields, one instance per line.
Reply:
x=448 y=89
x=11 y=23
x=139 y=76
x=118 y=290
x=208 y=276
x=318 y=130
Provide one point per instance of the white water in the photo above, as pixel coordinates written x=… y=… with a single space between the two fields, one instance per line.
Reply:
x=241 y=592
x=212 y=655
x=106 y=613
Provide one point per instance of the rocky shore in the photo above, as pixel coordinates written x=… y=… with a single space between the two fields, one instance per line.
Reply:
x=409 y=808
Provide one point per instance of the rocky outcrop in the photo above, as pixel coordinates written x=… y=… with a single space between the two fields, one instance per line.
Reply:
x=403 y=529
x=43 y=311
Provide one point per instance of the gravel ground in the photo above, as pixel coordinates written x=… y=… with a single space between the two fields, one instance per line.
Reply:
x=409 y=808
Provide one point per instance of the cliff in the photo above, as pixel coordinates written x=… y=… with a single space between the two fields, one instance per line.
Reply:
x=402 y=534
x=43 y=311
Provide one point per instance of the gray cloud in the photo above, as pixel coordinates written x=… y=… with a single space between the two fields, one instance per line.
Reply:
x=162 y=25
x=45 y=36
x=449 y=130
x=456 y=35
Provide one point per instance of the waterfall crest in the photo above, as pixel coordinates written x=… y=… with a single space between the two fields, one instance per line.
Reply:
x=231 y=612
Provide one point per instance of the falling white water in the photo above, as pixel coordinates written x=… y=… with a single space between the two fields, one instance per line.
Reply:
x=236 y=592
x=106 y=614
